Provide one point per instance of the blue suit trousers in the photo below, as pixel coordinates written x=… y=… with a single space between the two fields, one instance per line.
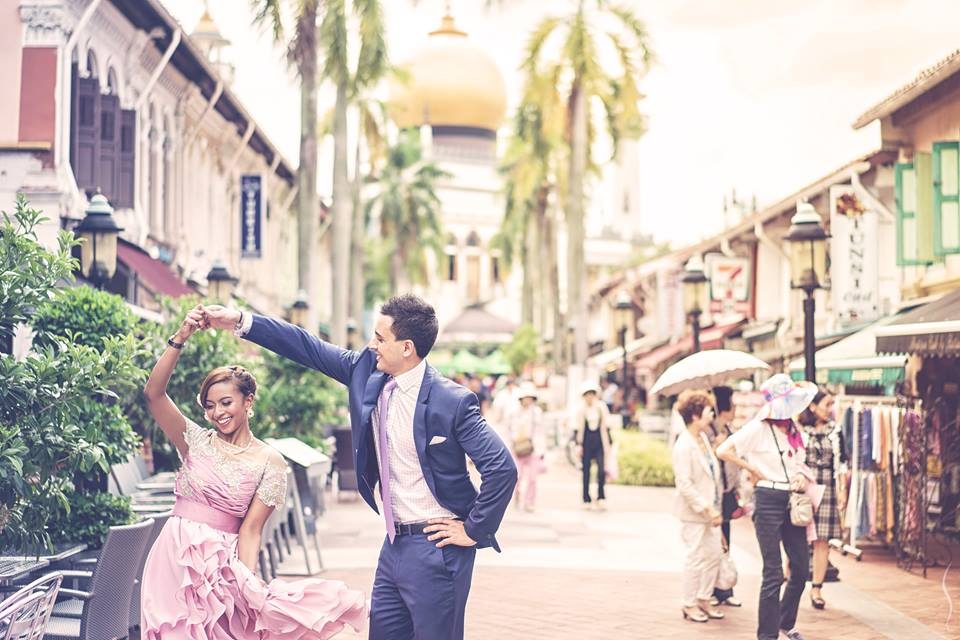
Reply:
x=420 y=591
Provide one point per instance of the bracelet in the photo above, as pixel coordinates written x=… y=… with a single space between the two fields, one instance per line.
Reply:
x=239 y=324
x=173 y=343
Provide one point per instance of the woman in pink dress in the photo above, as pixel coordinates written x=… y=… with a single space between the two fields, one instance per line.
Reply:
x=200 y=579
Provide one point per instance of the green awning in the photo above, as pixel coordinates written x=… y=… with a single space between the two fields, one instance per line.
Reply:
x=879 y=376
x=495 y=364
x=466 y=362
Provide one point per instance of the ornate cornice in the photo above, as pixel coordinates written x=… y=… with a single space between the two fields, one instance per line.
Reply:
x=44 y=23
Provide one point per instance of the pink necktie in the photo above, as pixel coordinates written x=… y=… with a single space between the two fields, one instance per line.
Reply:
x=383 y=408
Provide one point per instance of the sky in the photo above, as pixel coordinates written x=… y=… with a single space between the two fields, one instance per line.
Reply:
x=753 y=95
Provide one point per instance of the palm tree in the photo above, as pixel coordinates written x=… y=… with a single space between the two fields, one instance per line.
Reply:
x=371 y=65
x=302 y=55
x=408 y=213
x=534 y=153
x=591 y=87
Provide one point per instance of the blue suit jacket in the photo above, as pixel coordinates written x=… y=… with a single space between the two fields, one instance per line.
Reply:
x=444 y=409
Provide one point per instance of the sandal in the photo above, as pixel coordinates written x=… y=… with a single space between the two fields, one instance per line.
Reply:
x=694 y=614
x=817 y=601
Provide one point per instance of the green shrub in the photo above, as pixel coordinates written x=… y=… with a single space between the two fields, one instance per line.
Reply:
x=46 y=441
x=83 y=315
x=522 y=349
x=90 y=518
x=296 y=401
x=644 y=460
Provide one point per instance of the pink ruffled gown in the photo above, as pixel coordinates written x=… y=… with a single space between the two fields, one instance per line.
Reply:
x=194 y=585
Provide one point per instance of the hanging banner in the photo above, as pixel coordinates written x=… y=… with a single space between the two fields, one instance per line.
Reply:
x=251 y=215
x=729 y=284
x=854 y=257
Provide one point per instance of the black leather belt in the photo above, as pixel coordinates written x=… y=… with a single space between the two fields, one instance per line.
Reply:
x=412 y=529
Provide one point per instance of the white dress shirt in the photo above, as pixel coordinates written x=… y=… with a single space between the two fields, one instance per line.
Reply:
x=411 y=496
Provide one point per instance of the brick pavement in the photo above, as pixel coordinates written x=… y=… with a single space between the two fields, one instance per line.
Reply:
x=568 y=573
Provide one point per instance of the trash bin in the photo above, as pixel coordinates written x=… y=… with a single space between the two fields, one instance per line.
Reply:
x=310 y=469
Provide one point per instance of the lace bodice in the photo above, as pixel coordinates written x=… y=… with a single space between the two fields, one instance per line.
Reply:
x=217 y=474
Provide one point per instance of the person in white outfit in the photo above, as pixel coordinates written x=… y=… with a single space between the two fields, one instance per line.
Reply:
x=697 y=477
x=528 y=444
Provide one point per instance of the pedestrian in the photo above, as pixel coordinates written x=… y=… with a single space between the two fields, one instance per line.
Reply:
x=825 y=453
x=770 y=448
x=592 y=423
x=528 y=443
x=697 y=477
x=730 y=507
x=200 y=578
x=413 y=430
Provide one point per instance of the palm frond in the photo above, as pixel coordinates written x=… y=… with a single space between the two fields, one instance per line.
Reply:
x=373 y=62
x=536 y=42
x=638 y=30
x=333 y=41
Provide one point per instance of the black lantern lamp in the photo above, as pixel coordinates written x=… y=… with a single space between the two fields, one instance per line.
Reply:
x=99 y=231
x=808 y=272
x=694 y=282
x=220 y=284
x=300 y=310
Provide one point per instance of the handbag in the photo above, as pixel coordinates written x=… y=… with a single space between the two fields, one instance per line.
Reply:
x=522 y=446
x=727 y=577
x=801 y=507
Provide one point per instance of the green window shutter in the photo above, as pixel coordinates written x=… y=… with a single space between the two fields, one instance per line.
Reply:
x=922 y=163
x=946 y=198
x=905 y=181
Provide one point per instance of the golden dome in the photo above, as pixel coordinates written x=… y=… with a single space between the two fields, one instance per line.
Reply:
x=451 y=82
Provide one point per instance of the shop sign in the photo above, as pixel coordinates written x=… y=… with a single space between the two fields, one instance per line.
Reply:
x=729 y=284
x=251 y=215
x=854 y=257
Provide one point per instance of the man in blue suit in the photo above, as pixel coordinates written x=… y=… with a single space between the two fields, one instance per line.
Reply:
x=412 y=431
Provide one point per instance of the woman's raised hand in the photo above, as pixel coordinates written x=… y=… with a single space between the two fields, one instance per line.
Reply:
x=196 y=319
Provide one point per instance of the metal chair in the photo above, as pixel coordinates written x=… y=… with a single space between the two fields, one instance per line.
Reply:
x=103 y=611
x=24 y=615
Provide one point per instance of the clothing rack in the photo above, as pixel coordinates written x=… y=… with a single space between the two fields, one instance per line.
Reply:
x=857 y=403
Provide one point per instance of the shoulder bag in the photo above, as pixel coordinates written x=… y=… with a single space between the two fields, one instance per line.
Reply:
x=801 y=507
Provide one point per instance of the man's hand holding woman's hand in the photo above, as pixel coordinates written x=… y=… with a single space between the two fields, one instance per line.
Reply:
x=220 y=317
x=194 y=321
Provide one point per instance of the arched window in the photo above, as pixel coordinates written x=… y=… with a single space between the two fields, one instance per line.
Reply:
x=92 y=69
x=451 y=251
x=473 y=240
x=113 y=86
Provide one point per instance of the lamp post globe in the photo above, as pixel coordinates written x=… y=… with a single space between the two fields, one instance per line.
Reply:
x=694 y=282
x=808 y=272
x=99 y=231
x=300 y=310
x=220 y=283
x=623 y=317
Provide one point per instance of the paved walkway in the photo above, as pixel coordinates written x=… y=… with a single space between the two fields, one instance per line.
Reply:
x=570 y=573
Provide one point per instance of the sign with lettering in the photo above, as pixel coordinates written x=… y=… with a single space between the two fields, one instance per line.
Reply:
x=729 y=284
x=251 y=215
x=854 y=257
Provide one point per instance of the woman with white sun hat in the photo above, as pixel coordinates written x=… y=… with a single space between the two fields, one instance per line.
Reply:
x=770 y=448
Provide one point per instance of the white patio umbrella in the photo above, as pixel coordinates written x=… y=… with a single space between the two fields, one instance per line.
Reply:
x=707 y=369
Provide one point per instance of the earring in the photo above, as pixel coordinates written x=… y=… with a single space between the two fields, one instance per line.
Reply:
x=250 y=412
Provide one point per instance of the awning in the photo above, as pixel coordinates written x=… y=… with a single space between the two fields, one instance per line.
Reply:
x=154 y=275
x=475 y=325
x=930 y=330
x=612 y=359
x=853 y=360
x=711 y=338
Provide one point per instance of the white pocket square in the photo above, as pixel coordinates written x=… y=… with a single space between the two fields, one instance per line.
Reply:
x=437 y=440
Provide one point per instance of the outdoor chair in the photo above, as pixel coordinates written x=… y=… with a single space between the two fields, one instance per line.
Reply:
x=124 y=481
x=102 y=612
x=159 y=521
x=25 y=613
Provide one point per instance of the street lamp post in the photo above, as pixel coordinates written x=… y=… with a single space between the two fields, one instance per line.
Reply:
x=300 y=310
x=351 y=332
x=623 y=310
x=808 y=268
x=99 y=231
x=694 y=282
x=220 y=283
